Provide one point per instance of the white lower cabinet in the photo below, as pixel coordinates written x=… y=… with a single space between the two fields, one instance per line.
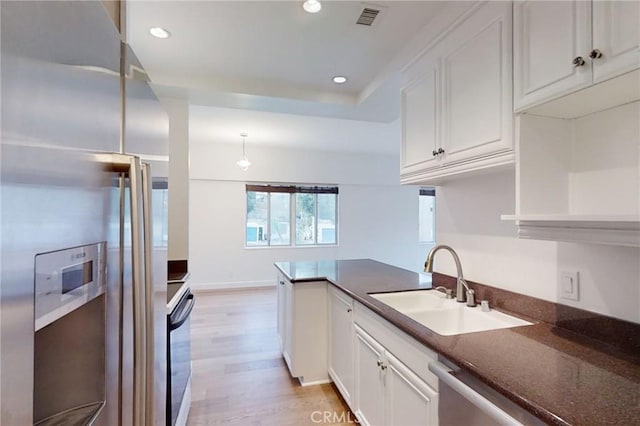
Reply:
x=387 y=391
x=370 y=379
x=411 y=401
x=282 y=303
x=381 y=372
x=341 y=342
x=302 y=329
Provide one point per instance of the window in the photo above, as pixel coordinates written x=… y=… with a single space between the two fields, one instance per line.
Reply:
x=160 y=209
x=291 y=215
x=427 y=215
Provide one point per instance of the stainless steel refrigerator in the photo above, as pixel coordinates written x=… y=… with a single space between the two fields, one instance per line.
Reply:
x=83 y=238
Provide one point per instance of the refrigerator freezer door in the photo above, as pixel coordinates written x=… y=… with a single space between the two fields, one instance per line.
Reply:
x=60 y=98
x=62 y=103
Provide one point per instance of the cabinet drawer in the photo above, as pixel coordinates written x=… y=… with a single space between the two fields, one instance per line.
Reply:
x=404 y=347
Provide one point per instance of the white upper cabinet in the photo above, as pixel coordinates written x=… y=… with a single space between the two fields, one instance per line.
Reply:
x=420 y=120
x=552 y=40
x=457 y=103
x=577 y=87
x=563 y=46
x=616 y=35
x=477 y=85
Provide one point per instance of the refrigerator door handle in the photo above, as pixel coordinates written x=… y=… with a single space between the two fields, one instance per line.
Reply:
x=131 y=166
x=147 y=210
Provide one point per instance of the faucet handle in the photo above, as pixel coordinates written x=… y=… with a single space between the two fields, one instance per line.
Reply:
x=471 y=298
x=447 y=291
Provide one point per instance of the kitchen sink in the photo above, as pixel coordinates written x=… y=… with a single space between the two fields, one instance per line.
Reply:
x=446 y=316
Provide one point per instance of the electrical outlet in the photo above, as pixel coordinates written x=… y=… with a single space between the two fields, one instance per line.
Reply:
x=569 y=285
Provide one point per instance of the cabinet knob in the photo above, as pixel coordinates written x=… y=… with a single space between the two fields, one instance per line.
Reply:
x=434 y=152
x=349 y=310
x=578 y=62
x=380 y=364
x=595 y=54
x=383 y=367
x=281 y=282
x=440 y=150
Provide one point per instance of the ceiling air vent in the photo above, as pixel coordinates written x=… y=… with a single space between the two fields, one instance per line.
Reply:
x=367 y=16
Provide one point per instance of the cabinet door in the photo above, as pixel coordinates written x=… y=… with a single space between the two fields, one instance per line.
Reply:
x=369 y=386
x=304 y=330
x=281 y=310
x=476 y=72
x=287 y=351
x=616 y=34
x=410 y=400
x=420 y=117
x=548 y=36
x=341 y=342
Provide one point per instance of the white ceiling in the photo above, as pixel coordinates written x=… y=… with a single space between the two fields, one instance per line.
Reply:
x=273 y=56
x=265 y=67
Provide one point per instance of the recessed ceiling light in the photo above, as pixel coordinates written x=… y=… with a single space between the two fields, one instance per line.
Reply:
x=312 y=6
x=339 y=79
x=159 y=32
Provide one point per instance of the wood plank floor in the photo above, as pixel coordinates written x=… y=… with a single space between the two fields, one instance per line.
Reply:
x=239 y=376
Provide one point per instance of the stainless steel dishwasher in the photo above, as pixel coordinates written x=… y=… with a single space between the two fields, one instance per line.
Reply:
x=465 y=400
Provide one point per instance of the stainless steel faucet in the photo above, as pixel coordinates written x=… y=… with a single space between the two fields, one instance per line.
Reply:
x=463 y=292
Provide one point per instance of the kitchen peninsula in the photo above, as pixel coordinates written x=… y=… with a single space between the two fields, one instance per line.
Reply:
x=558 y=375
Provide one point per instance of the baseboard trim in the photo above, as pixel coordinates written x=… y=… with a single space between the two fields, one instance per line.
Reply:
x=313 y=383
x=231 y=285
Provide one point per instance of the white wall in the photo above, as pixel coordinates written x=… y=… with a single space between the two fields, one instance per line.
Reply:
x=178 y=110
x=378 y=218
x=270 y=164
x=468 y=219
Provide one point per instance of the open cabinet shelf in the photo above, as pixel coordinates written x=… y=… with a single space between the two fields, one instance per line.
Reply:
x=578 y=179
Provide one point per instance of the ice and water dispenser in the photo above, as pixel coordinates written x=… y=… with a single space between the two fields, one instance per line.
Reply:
x=69 y=345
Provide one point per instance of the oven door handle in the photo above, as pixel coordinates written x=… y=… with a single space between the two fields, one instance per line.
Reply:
x=184 y=313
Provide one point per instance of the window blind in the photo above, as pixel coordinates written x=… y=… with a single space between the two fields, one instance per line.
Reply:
x=293 y=189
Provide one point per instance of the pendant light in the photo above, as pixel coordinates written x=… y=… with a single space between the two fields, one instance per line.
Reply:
x=244 y=162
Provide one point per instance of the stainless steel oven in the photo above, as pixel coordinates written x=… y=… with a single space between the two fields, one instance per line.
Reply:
x=179 y=307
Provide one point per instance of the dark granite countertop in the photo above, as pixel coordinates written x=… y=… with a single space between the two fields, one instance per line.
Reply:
x=560 y=376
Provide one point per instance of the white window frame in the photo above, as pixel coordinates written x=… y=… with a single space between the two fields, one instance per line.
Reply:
x=429 y=192
x=292 y=190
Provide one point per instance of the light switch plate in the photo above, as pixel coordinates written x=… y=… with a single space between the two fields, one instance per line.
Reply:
x=570 y=285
